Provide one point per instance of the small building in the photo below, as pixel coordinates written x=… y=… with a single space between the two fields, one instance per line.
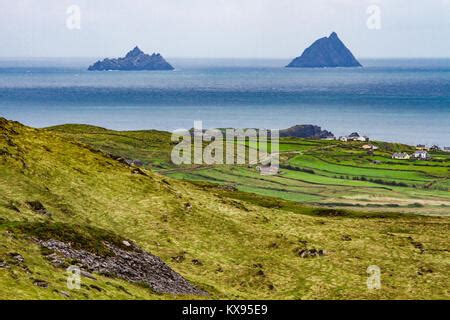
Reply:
x=369 y=147
x=421 y=147
x=435 y=148
x=446 y=149
x=268 y=170
x=401 y=156
x=363 y=139
x=354 y=137
x=421 y=155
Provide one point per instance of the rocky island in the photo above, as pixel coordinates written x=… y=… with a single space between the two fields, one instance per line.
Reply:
x=306 y=131
x=134 y=60
x=327 y=52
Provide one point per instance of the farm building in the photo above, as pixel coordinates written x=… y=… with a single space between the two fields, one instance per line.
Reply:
x=268 y=170
x=421 y=147
x=401 y=156
x=435 y=148
x=422 y=155
x=354 y=137
x=369 y=147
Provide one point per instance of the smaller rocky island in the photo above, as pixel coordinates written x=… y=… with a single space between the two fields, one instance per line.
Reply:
x=306 y=131
x=135 y=60
x=327 y=52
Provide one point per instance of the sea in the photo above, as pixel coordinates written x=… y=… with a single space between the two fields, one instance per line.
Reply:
x=395 y=100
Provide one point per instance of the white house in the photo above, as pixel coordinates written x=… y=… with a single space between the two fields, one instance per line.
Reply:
x=268 y=170
x=421 y=154
x=363 y=139
x=354 y=137
x=369 y=147
x=401 y=156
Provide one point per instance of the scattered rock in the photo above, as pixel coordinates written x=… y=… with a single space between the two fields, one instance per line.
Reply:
x=87 y=275
x=424 y=270
x=13 y=206
x=346 y=237
x=3 y=264
x=56 y=260
x=134 y=265
x=64 y=294
x=41 y=283
x=188 y=206
x=260 y=273
x=18 y=257
x=139 y=171
x=274 y=245
x=93 y=286
x=130 y=162
x=197 y=262
x=228 y=187
x=179 y=258
x=312 y=253
x=38 y=207
x=419 y=245
x=138 y=163
x=126 y=243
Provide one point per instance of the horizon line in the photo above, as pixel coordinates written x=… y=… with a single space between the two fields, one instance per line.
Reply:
x=214 y=58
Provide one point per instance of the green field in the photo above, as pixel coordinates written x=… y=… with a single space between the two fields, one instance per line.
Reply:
x=319 y=172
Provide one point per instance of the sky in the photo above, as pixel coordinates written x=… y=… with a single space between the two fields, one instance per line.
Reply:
x=222 y=28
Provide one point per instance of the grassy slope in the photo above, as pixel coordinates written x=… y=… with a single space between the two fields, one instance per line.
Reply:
x=247 y=244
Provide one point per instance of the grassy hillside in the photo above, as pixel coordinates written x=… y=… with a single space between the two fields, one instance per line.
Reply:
x=226 y=242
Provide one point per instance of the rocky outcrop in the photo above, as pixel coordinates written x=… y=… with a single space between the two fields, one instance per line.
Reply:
x=135 y=60
x=307 y=131
x=327 y=52
x=134 y=265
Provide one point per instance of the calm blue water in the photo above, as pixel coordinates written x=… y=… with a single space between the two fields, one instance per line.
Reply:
x=393 y=100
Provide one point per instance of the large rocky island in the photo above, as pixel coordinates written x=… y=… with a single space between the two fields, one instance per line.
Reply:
x=327 y=52
x=135 y=60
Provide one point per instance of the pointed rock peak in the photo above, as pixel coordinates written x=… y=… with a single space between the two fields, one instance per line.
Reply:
x=135 y=52
x=327 y=52
x=333 y=35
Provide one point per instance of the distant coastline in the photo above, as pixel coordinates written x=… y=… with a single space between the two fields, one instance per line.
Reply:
x=388 y=100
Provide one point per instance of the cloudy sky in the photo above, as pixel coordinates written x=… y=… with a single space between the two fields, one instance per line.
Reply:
x=223 y=28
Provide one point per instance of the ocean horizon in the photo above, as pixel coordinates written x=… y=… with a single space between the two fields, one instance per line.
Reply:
x=395 y=100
